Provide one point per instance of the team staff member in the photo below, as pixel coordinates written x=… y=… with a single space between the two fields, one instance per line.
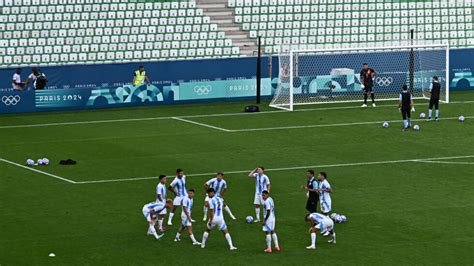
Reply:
x=139 y=77
x=16 y=80
x=38 y=78
x=435 y=89
x=367 y=76
x=406 y=103
x=312 y=190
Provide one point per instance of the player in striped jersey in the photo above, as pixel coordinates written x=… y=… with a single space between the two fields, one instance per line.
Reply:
x=187 y=207
x=269 y=222
x=178 y=188
x=161 y=197
x=262 y=182
x=320 y=222
x=220 y=187
x=216 y=205
x=324 y=190
x=150 y=211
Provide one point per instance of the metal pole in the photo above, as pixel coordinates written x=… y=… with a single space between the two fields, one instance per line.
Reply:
x=259 y=71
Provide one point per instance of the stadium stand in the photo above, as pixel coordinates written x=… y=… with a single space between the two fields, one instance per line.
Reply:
x=42 y=32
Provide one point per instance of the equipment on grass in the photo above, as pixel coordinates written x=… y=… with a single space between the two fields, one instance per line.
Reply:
x=416 y=127
x=461 y=118
x=251 y=109
x=385 y=124
x=67 y=162
x=422 y=115
x=249 y=219
x=30 y=162
x=45 y=161
x=338 y=218
x=40 y=161
x=315 y=75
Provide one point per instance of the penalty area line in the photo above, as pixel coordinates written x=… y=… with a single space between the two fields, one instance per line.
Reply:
x=38 y=171
x=201 y=124
x=287 y=168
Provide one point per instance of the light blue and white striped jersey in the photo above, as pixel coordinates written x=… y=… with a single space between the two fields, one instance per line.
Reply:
x=318 y=218
x=217 y=204
x=188 y=203
x=161 y=190
x=268 y=204
x=217 y=185
x=156 y=206
x=324 y=197
x=179 y=185
x=261 y=182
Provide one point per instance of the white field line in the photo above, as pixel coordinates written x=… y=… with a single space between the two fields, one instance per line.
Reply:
x=200 y=124
x=333 y=125
x=38 y=171
x=197 y=116
x=441 y=162
x=286 y=168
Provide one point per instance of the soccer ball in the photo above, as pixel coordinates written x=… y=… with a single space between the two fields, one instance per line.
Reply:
x=249 y=219
x=45 y=161
x=30 y=162
x=461 y=118
x=416 y=127
x=385 y=124
x=422 y=115
x=40 y=162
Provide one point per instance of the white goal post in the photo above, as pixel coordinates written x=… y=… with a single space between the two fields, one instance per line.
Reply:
x=316 y=76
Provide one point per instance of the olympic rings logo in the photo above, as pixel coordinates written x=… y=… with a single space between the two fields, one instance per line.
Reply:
x=11 y=100
x=384 y=81
x=202 y=90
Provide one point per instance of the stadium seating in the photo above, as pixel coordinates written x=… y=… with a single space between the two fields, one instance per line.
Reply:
x=100 y=31
x=338 y=22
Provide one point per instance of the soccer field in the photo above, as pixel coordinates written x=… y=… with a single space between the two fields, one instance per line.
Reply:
x=408 y=196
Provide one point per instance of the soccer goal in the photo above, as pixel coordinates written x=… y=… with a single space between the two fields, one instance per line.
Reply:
x=315 y=76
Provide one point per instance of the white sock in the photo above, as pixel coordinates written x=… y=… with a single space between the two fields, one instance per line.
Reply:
x=437 y=113
x=170 y=217
x=192 y=238
x=229 y=239
x=178 y=235
x=152 y=229
x=160 y=223
x=269 y=241
x=257 y=213
x=430 y=112
x=204 y=237
x=227 y=209
x=275 y=239
x=313 y=239
x=205 y=211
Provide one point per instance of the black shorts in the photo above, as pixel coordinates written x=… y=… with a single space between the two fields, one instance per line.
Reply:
x=434 y=102
x=406 y=113
x=368 y=88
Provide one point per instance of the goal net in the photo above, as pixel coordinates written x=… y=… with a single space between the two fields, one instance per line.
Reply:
x=314 y=76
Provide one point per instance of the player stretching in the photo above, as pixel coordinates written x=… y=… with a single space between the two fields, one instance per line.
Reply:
x=269 y=222
x=406 y=102
x=187 y=207
x=220 y=186
x=217 y=219
x=320 y=223
x=367 y=76
x=435 y=89
x=150 y=211
x=262 y=182
x=178 y=188
x=161 y=197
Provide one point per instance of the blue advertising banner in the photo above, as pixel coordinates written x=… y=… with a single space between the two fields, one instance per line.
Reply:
x=78 y=87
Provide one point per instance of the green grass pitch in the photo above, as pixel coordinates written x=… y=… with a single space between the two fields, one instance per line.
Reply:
x=403 y=205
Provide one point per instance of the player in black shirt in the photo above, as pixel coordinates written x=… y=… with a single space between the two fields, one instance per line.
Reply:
x=406 y=103
x=435 y=90
x=367 y=76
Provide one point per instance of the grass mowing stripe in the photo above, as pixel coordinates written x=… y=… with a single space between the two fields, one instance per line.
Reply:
x=197 y=116
x=287 y=168
x=38 y=171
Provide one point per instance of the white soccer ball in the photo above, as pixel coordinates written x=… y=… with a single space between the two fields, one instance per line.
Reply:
x=343 y=218
x=249 y=219
x=461 y=118
x=416 y=127
x=40 y=162
x=30 y=162
x=385 y=124
x=422 y=115
x=45 y=161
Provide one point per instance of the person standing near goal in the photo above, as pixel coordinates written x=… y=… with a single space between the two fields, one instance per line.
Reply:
x=367 y=76
x=406 y=103
x=435 y=89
